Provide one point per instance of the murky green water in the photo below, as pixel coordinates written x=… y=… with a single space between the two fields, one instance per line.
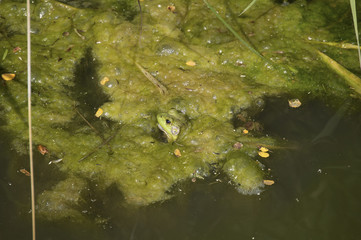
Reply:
x=316 y=196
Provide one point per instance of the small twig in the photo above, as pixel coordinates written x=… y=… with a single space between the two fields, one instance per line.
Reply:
x=163 y=90
x=89 y=124
x=77 y=32
x=141 y=23
x=92 y=127
x=248 y=7
x=98 y=147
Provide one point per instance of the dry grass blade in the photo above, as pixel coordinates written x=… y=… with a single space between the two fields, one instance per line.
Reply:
x=245 y=43
x=163 y=90
x=351 y=79
x=106 y=141
x=28 y=38
x=354 y=16
x=248 y=7
x=339 y=45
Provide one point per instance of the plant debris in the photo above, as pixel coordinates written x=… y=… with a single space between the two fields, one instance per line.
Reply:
x=25 y=172
x=8 y=76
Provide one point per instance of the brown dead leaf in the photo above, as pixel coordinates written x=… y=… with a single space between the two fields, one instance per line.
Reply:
x=23 y=171
x=42 y=149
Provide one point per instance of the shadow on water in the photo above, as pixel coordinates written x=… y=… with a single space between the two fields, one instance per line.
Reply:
x=86 y=88
x=89 y=96
x=315 y=196
x=11 y=99
x=14 y=192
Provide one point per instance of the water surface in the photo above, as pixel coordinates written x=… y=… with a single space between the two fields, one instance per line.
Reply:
x=316 y=194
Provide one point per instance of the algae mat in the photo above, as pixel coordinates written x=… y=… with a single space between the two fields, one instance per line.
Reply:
x=113 y=62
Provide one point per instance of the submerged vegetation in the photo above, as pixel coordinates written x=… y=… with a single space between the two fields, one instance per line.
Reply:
x=98 y=85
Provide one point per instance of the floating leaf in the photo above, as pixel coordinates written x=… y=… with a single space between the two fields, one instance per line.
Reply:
x=245 y=131
x=263 y=154
x=294 y=103
x=42 y=149
x=191 y=63
x=16 y=49
x=99 y=112
x=8 y=76
x=104 y=80
x=23 y=171
x=263 y=149
x=177 y=152
x=268 y=182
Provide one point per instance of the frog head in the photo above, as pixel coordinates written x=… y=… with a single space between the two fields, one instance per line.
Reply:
x=171 y=123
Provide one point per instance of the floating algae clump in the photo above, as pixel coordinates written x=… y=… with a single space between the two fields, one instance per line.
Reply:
x=75 y=49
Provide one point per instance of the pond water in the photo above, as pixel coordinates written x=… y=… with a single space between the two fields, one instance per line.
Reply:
x=316 y=194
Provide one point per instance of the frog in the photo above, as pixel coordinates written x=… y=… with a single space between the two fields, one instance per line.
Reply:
x=171 y=123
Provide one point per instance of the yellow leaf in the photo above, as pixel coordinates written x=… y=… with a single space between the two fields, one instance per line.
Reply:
x=268 y=182
x=263 y=149
x=99 y=112
x=104 y=80
x=8 y=76
x=245 y=131
x=263 y=154
x=177 y=152
x=294 y=103
x=191 y=63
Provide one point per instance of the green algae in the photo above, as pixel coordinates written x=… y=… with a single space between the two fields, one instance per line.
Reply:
x=75 y=47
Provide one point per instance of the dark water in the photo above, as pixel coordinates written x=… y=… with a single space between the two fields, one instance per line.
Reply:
x=317 y=194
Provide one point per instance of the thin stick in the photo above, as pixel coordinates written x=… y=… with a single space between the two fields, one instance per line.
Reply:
x=246 y=44
x=29 y=117
x=89 y=124
x=354 y=16
x=248 y=7
x=163 y=90
x=92 y=127
x=106 y=141
x=141 y=23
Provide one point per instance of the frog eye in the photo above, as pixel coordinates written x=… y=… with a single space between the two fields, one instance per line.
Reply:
x=167 y=121
x=174 y=130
